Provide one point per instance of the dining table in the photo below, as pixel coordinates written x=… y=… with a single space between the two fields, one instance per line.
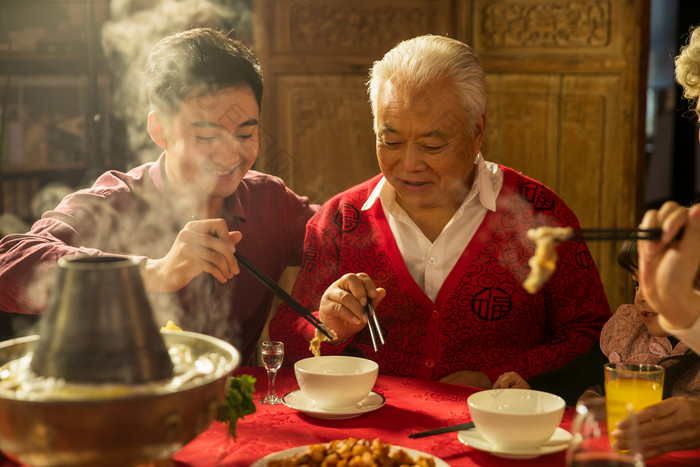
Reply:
x=408 y=406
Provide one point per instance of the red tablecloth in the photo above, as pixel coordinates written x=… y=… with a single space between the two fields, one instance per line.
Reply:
x=411 y=406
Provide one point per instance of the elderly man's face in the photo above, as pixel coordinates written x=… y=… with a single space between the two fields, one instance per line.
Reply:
x=424 y=148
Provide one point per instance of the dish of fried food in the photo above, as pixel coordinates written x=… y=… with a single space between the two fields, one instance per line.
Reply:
x=544 y=262
x=350 y=452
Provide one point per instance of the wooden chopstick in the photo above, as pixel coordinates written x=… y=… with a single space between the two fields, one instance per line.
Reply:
x=281 y=293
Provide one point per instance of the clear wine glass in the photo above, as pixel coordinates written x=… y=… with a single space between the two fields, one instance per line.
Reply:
x=591 y=443
x=272 y=357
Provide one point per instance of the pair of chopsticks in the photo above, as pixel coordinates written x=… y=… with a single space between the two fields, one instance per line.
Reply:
x=446 y=429
x=373 y=324
x=278 y=291
x=619 y=234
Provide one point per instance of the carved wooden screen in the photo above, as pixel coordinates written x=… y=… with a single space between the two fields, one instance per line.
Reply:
x=565 y=82
x=316 y=55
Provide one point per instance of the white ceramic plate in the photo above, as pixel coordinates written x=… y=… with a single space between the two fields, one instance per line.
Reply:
x=290 y=452
x=558 y=442
x=296 y=400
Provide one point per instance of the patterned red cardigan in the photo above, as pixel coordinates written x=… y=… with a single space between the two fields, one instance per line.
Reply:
x=482 y=319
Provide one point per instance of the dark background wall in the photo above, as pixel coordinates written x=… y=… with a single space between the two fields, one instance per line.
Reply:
x=673 y=151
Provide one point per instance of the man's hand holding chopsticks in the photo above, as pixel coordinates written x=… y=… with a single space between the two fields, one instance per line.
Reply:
x=201 y=246
x=343 y=304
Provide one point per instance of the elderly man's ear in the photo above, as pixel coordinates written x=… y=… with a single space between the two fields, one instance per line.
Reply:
x=479 y=131
x=156 y=129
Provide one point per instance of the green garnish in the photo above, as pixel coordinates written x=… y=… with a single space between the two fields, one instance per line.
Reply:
x=238 y=402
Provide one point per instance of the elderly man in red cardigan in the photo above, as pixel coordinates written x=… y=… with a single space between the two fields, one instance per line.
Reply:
x=438 y=243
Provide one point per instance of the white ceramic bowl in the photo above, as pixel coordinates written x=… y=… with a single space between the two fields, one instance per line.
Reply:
x=336 y=382
x=516 y=419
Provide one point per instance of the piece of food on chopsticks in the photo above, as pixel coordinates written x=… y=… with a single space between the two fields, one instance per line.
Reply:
x=315 y=344
x=544 y=262
x=353 y=452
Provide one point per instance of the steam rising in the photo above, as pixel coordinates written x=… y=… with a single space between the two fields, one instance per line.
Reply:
x=127 y=39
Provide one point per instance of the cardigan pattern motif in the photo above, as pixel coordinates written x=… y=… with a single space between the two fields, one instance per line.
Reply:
x=482 y=318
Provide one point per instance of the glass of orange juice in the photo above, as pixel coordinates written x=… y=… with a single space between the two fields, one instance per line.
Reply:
x=591 y=445
x=636 y=384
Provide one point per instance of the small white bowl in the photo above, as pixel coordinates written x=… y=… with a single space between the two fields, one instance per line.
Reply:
x=336 y=382
x=516 y=419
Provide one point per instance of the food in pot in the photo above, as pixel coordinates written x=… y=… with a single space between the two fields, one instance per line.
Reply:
x=190 y=368
x=171 y=326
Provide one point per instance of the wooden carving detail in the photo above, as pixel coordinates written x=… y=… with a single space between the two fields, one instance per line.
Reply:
x=316 y=106
x=352 y=25
x=332 y=128
x=555 y=23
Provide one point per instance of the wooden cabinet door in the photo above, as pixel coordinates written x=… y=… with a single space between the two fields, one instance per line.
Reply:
x=565 y=85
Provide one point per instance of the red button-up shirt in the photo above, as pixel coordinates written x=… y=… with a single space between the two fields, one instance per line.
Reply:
x=137 y=213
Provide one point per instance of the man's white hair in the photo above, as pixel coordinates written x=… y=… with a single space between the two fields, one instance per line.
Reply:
x=424 y=59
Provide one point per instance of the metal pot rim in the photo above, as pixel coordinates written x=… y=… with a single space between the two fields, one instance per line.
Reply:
x=230 y=353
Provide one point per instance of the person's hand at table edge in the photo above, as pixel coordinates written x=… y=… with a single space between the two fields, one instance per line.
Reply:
x=475 y=379
x=671 y=425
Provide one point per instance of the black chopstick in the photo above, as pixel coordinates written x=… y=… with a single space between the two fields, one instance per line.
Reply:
x=281 y=293
x=620 y=234
x=446 y=429
x=617 y=234
x=277 y=290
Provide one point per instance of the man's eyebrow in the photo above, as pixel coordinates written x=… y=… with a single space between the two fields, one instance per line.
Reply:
x=207 y=124
x=429 y=134
x=433 y=134
x=251 y=122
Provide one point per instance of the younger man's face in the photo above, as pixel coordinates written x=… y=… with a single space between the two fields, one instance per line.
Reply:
x=212 y=142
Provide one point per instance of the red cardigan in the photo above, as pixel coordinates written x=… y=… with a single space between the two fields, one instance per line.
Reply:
x=482 y=319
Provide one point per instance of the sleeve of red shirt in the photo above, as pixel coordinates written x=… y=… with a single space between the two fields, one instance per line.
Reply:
x=28 y=261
